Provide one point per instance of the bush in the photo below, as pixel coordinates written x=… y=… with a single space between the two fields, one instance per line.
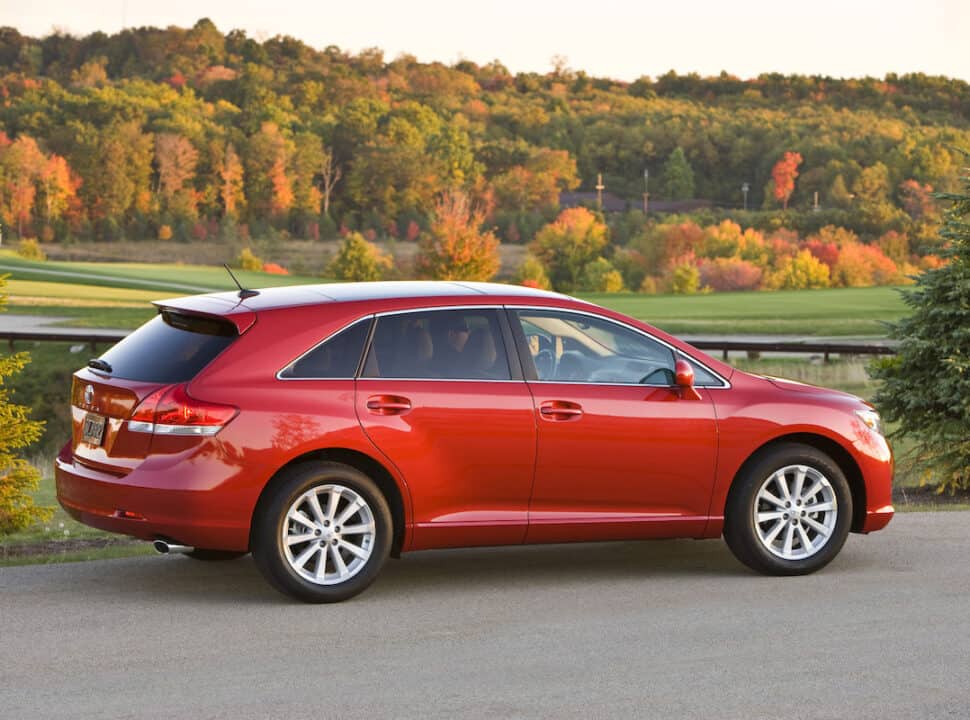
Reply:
x=730 y=274
x=30 y=249
x=358 y=261
x=568 y=244
x=803 y=271
x=601 y=276
x=248 y=261
x=685 y=279
x=275 y=269
x=532 y=274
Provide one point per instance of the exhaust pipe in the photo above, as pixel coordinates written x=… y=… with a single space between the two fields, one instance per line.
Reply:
x=164 y=547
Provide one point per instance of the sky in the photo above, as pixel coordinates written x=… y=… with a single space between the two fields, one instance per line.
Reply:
x=605 y=38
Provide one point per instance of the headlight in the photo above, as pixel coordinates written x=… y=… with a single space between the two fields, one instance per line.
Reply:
x=871 y=419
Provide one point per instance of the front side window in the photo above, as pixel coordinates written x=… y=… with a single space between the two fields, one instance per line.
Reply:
x=572 y=347
x=461 y=344
x=335 y=358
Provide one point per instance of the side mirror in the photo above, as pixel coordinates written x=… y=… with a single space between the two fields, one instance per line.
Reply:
x=684 y=379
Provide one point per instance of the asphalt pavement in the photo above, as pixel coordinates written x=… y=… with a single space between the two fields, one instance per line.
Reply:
x=670 y=629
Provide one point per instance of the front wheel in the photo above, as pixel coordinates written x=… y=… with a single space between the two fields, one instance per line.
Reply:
x=323 y=534
x=790 y=511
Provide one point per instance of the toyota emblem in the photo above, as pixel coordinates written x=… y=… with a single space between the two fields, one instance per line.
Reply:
x=89 y=395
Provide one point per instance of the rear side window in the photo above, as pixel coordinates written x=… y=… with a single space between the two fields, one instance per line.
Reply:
x=337 y=357
x=438 y=344
x=171 y=348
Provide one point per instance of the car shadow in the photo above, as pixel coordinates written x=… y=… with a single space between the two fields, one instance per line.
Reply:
x=432 y=572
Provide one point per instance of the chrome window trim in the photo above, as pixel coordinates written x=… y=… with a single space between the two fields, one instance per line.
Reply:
x=374 y=316
x=677 y=352
x=294 y=361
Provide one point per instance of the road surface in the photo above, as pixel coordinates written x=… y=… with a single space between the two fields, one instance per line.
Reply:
x=672 y=629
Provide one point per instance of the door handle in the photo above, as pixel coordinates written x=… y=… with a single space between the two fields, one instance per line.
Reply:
x=560 y=410
x=388 y=404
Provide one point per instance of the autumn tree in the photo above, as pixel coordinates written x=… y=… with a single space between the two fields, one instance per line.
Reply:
x=58 y=186
x=176 y=159
x=568 y=244
x=329 y=173
x=925 y=387
x=18 y=478
x=677 y=181
x=783 y=176
x=455 y=246
x=231 y=182
x=269 y=187
x=21 y=164
x=308 y=157
x=358 y=261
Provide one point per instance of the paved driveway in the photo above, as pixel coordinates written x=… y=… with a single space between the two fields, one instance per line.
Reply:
x=673 y=629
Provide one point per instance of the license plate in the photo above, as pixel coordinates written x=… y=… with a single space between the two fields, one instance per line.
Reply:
x=92 y=431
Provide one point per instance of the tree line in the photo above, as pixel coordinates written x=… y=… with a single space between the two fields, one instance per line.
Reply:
x=192 y=134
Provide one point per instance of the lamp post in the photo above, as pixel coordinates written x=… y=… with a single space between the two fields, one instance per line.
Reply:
x=744 y=190
x=599 y=191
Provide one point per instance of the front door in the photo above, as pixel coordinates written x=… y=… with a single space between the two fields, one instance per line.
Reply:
x=438 y=398
x=620 y=453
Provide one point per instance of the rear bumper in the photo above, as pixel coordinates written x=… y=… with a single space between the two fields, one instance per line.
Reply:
x=151 y=502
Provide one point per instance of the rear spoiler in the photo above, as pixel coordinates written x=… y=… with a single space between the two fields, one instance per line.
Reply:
x=221 y=305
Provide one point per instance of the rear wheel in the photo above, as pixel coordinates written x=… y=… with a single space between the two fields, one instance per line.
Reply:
x=790 y=511
x=323 y=534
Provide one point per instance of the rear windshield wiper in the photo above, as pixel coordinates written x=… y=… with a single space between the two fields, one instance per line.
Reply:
x=99 y=364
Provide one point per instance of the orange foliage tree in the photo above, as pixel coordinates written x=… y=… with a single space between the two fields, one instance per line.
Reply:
x=783 y=175
x=455 y=247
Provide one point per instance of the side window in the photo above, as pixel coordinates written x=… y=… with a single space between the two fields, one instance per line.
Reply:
x=702 y=376
x=438 y=344
x=571 y=347
x=335 y=358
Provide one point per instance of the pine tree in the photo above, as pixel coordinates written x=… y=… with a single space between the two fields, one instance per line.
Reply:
x=926 y=386
x=678 y=177
x=18 y=478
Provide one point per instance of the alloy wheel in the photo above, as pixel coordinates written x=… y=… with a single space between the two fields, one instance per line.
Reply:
x=795 y=512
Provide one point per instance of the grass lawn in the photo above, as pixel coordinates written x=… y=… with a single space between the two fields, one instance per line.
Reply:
x=835 y=311
x=170 y=279
x=106 y=295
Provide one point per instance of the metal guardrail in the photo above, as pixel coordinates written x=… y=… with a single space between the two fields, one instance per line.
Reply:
x=89 y=337
x=753 y=347
x=794 y=347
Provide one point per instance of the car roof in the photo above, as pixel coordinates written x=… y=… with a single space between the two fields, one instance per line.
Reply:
x=294 y=295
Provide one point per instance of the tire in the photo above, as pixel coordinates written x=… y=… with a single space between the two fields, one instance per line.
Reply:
x=788 y=539
x=214 y=555
x=300 y=539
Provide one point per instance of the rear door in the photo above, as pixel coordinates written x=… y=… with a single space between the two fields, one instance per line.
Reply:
x=441 y=398
x=620 y=453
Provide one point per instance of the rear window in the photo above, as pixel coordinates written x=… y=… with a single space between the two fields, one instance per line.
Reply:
x=171 y=348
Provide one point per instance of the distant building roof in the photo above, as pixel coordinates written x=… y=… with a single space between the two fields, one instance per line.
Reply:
x=613 y=203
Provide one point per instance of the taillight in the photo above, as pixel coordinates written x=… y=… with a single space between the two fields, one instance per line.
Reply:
x=172 y=411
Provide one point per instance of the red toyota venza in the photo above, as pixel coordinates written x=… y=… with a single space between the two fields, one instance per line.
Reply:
x=323 y=428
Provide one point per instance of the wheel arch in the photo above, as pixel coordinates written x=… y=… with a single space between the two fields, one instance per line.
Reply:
x=842 y=457
x=360 y=461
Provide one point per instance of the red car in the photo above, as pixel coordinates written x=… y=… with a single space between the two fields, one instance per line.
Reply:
x=323 y=428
